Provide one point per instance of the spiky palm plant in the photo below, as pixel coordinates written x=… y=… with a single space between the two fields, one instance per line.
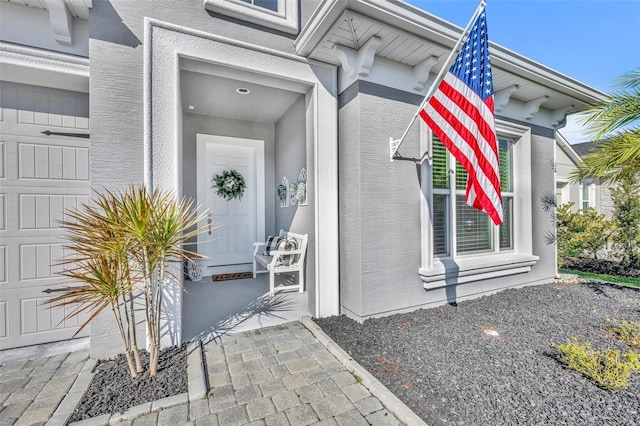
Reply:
x=100 y=261
x=128 y=239
x=158 y=226
x=616 y=122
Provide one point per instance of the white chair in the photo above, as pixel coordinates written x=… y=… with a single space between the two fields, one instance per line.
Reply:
x=276 y=263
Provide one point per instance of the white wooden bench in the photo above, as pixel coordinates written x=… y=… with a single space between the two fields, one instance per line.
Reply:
x=276 y=263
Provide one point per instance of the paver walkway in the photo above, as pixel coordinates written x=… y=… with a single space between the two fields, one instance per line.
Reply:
x=278 y=375
x=30 y=391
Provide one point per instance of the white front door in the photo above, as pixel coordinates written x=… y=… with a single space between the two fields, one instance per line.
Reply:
x=234 y=224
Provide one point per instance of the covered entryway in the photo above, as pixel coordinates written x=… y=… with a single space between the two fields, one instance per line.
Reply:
x=247 y=124
x=294 y=110
x=41 y=176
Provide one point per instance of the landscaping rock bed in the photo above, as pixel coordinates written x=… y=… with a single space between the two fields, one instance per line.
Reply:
x=112 y=389
x=489 y=361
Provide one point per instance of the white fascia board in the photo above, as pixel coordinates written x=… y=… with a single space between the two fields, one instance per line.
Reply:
x=567 y=149
x=411 y=19
x=21 y=64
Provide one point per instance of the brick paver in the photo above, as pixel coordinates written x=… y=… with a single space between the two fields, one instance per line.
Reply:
x=32 y=390
x=278 y=375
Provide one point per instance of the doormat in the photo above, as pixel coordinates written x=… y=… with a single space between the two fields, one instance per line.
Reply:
x=232 y=276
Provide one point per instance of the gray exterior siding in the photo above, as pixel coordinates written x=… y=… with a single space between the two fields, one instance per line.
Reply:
x=380 y=219
x=542 y=182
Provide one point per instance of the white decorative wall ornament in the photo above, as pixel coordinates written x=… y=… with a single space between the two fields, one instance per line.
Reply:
x=358 y=62
x=299 y=189
x=282 y=192
x=501 y=97
x=195 y=269
x=421 y=72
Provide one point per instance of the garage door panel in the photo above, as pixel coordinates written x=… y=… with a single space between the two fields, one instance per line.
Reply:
x=3 y=320
x=40 y=261
x=38 y=211
x=68 y=163
x=2 y=159
x=3 y=212
x=50 y=107
x=3 y=265
x=41 y=177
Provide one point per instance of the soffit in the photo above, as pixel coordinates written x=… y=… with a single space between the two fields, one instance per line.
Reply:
x=77 y=8
x=422 y=35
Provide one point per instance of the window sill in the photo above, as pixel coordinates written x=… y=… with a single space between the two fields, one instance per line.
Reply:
x=449 y=271
x=285 y=21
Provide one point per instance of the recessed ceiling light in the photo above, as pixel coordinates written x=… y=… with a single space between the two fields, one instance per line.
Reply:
x=243 y=91
x=192 y=107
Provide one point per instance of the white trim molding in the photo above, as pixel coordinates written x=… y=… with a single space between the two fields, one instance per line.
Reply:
x=285 y=19
x=165 y=46
x=26 y=65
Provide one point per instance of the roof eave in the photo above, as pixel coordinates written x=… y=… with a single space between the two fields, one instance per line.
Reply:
x=430 y=27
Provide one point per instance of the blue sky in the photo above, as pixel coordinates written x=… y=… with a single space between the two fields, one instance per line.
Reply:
x=593 y=41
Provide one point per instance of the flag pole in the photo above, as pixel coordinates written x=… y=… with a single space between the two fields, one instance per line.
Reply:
x=394 y=145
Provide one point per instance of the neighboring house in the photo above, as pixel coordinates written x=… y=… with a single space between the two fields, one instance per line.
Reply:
x=586 y=193
x=180 y=89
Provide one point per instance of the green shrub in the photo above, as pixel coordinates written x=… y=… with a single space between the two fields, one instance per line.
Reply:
x=582 y=233
x=626 y=217
x=608 y=369
x=627 y=331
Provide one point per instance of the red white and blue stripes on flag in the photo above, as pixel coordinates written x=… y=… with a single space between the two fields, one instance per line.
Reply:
x=461 y=114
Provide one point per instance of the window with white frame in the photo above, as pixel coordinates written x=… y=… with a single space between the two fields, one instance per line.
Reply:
x=464 y=238
x=587 y=194
x=281 y=15
x=265 y=4
x=457 y=227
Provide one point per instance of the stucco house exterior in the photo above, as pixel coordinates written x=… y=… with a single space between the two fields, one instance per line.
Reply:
x=163 y=92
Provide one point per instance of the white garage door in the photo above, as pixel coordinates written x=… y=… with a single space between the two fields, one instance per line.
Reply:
x=41 y=177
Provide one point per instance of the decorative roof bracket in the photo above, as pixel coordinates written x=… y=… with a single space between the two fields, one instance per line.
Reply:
x=558 y=115
x=358 y=62
x=531 y=107
x=501 y=97
x=421 y=71
x=61 y=21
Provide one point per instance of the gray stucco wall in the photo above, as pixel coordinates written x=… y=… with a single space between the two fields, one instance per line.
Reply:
x=380 y=210
x=542 y=182
x=116 y=86
x=292 y=153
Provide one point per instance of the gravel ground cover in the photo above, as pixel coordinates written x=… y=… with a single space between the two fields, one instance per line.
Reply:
x=489 y=362
x=112 y=389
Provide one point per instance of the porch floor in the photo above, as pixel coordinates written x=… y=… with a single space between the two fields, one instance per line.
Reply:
x=212 y=309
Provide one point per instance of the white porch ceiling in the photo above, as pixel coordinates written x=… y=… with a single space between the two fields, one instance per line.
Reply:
x=216 y=96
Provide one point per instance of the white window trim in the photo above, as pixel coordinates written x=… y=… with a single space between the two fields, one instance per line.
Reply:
x=443 y=271
x=592 y=195
x=285 y=20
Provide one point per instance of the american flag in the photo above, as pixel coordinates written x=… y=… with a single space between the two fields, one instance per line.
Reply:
x=461 y=114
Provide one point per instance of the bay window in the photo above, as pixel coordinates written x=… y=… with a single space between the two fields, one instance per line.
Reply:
x=460 y=243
